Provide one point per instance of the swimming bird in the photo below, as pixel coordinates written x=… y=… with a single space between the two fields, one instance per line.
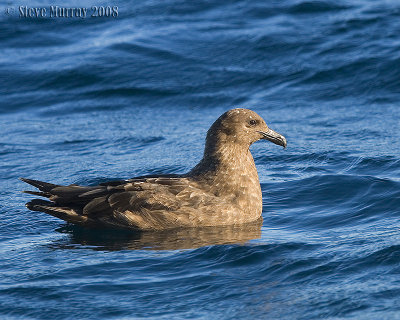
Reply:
x=222 y=189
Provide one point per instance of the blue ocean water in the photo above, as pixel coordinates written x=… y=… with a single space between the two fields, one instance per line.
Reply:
x=86 y=100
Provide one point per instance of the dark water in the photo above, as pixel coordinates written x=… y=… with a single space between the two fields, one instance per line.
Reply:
x=94 y=99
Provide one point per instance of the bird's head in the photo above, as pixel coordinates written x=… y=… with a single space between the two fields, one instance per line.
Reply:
x=244 y=127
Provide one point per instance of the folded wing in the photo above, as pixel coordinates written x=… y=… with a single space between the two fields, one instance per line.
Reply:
x=142 y=203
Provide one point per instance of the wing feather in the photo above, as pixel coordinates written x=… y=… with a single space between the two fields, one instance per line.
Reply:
x=142 y=203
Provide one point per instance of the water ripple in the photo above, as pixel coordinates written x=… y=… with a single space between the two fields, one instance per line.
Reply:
x=90 y=100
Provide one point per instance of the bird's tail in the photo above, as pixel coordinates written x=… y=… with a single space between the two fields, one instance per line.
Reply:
x=42 y=186
x=62 y=212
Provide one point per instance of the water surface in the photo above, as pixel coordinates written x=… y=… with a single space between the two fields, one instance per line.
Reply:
x=90 y=100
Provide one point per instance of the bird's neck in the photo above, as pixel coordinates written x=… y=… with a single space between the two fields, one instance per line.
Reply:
x=230 y=173
x=229 y=168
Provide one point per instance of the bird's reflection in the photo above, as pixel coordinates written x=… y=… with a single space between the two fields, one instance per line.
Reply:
x=189 y=238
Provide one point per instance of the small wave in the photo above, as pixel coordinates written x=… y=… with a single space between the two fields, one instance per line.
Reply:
x=153 y=51
x=313 y=7
x=132 y=143
x=131 y=91
x=330 y=201
x=77 y=141
x=384 y=257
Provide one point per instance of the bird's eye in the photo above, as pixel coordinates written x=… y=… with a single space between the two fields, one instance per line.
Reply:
x=252 y=122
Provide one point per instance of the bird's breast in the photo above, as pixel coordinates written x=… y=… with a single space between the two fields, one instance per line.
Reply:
x=237 y=180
